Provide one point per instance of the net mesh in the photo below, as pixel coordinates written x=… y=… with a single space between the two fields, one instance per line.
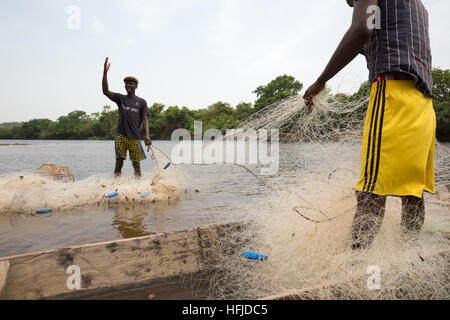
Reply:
x=27 y=192
x=304 y=224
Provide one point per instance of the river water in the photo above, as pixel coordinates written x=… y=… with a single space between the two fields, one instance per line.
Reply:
x=210 y=194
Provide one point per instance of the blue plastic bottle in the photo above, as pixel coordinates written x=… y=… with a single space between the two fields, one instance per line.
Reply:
x=41 y=211
x=112 y=195
x=254 y=256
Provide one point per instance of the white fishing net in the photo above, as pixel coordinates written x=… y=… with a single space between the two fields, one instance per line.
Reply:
x=27 y=193
x=304 y=224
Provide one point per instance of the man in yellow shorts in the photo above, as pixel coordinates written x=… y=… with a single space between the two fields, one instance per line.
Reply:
x=400 y=125
x=132 y=112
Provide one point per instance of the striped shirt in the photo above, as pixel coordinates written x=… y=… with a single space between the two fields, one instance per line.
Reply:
x=402 y=43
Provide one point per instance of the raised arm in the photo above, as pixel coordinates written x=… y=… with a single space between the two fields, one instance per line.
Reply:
x=350 y=46
x=105 y=88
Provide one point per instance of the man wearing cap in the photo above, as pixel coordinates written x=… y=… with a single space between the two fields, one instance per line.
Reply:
x=399 y=131
x=132 y=112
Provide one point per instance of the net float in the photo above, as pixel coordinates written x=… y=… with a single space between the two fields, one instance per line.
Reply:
x=112 y=195
x=41 y=211
x=254 y=256
x=145 y=194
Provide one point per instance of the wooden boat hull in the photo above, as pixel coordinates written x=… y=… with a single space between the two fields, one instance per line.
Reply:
x=114 y=265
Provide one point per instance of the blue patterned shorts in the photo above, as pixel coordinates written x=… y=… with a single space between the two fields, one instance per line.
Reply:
x=124 y=144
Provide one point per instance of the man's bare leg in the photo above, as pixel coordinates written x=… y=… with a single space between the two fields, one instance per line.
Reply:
x=413 y=214
x=368 y=219
x=118 y=168
x=137 y=169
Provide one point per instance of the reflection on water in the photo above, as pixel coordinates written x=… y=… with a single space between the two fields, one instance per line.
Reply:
x=128 y=221
x=134 y=220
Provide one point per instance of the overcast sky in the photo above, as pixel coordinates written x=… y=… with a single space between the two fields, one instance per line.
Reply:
x=185 y=52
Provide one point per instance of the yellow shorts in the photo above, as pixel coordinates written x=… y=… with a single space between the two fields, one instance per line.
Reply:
x=123 y=144
x=398 y=141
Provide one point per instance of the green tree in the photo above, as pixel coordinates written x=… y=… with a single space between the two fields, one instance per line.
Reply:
x=5 y=132
x=441 y=92
x=217 y=110
x=441 y=88
x=14 y=133
x=156 y=121
x=76 y=125
x=278 y=89
x=363 y=91
x=33 y=129
x=176 y=118
x=442 y=109
x=107 y=122
x=243 y=110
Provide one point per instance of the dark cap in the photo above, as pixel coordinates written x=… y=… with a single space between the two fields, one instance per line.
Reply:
x=131 y=79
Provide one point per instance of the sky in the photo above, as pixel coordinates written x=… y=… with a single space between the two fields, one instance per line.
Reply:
x=189 y=53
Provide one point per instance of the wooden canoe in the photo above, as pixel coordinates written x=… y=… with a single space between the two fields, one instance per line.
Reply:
x=121 y=269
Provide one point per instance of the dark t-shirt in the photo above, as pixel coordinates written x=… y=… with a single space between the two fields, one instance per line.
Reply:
x=131 y=111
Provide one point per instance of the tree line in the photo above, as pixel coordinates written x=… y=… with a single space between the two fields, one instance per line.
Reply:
x=220 y=115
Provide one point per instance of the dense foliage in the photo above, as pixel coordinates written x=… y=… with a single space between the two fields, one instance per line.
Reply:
x=441 y=92
x=278 y=89
x=220 y=115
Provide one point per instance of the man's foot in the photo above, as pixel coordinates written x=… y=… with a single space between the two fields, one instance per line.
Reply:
x=367 y=220
x=413 y=215
x=137 y=169
x=118 y=167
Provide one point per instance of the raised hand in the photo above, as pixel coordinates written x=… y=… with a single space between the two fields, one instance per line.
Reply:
x=107 y=65
x=105 y=87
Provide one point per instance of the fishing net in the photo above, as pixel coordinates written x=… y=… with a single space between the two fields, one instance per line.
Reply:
x=303 y=225
x=27 y=192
